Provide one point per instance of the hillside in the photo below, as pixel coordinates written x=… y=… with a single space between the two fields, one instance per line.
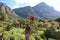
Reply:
x=25 y=12
x=4 y=8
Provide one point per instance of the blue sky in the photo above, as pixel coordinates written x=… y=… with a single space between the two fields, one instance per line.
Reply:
x=21 y=3
x=10 y=3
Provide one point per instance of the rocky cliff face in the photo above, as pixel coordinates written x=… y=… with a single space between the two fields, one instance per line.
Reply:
x=4 y=8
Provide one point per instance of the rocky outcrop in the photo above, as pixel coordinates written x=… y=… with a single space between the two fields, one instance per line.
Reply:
x=4 y=8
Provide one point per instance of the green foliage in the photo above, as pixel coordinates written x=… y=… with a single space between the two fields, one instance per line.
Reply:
x=3 y=16
x=37 y=36
x=58 y=19
x=15 y=33
x=46 y=25
x=51 y=33
x=40 y=30
x=41 y=21
x=40 y=24
x=49 y=20
x=32 y=37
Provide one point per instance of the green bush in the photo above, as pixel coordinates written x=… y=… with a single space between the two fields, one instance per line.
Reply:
x=52 y=33
x=16 y=33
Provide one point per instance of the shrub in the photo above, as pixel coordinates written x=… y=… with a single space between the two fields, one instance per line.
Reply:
x=51 y=33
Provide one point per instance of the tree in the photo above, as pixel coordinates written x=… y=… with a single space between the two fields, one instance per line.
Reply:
x=40 y=20
x=28 y=28
x=8 y=27
x=49 y=33
x=49 y=20
x=27 y=31
x=58 y=20
x=3 y=16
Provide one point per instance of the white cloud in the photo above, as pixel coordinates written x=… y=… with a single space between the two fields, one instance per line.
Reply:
x=34 y=2
x=29 y=2
x=16 y=6
x=20 y=5
x=54 y=3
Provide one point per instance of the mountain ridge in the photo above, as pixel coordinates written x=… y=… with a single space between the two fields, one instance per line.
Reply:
x=26 y=13
x=42 y=10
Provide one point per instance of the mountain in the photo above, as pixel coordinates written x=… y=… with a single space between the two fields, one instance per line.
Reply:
x=45 y=11
x=4 y=8
x=26 y=12
x=41 y=11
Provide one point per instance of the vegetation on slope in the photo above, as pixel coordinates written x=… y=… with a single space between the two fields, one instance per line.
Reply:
x=16 y=29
